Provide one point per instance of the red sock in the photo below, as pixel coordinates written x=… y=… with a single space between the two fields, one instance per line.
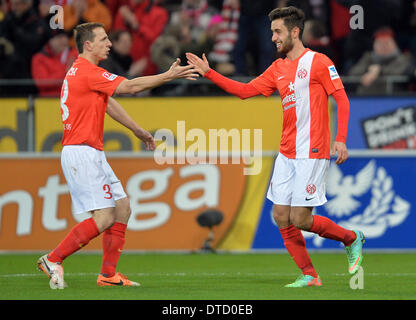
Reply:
x=113 y=241
x=78 y=237
x=330 y=230
x=295 y=245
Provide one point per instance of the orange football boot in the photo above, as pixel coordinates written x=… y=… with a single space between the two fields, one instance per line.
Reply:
x=117 y=280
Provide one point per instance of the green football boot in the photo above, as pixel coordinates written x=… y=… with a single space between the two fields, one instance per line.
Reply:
x=355 y=253
x=305 y=281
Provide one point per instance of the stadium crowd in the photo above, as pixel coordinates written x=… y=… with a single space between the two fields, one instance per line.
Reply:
x=147 y=35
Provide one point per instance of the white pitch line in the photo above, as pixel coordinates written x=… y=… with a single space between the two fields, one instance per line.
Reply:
x=219 y=274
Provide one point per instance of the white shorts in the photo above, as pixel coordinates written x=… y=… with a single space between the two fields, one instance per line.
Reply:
x=298 y=182
x=91 y=181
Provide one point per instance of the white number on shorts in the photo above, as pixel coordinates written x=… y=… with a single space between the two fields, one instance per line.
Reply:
x=64 y=96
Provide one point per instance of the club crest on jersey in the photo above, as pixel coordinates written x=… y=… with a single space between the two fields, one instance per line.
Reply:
x=109 y=76
x=333 y=72
x=302 y=73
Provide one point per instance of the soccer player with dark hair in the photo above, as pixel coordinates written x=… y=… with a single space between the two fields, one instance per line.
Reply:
x=94 y=188
x=304 y=79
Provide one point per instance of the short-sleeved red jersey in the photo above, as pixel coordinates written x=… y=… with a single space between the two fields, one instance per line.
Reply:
x=304 y=85
x=84 y=98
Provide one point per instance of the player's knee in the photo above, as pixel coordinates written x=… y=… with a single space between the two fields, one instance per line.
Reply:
x=281 y=220
x=126 y=206
x=127 y=210
x=123 y=209
x=109 y=221
x=299 y=222
x=104 y=218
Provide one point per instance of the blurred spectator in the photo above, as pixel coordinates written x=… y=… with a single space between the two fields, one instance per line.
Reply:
x=173 y=44
x=115 y=5
x=119 y=60
x=316 y=38
x=6 y=56
x=56 y=16
x=145 y=22
x=313 y=9
x=165 y=50
x=44 y=7
x=254 y=33
x=52 y=63
x=6 y=47
x=192 y=28
x=406 y=29
x=385 y=59
x=376 y=15
x=412 y=40
x=412 y=23
x=26 y=32
x=193 y=17
x=221 y=54
x=4 y=8
x=81 y=11
x=339 y=27
x=333 y=17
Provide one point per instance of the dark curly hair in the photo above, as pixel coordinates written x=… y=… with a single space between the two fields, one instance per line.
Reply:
x=292 y=17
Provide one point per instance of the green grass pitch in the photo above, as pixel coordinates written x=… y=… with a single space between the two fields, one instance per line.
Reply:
x=259 y=276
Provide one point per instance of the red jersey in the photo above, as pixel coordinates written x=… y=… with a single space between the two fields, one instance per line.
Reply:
x=304 y=85
x=84 y=98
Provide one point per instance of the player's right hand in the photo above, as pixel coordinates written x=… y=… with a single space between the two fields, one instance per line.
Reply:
x=200 y=65
x=177 y=71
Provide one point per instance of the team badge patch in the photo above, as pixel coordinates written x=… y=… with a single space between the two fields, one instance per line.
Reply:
x=333 y=72
x=302 y=73
x=109 y=76
x=310 y=189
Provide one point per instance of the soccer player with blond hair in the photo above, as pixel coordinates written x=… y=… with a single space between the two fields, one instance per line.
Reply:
x=86 y=96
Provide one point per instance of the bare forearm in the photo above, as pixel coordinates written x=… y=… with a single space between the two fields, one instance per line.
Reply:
x=176 y=71
x=142 y=83
x=116 y=111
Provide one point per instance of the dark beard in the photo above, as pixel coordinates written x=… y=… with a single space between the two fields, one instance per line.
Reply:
x=287 y=46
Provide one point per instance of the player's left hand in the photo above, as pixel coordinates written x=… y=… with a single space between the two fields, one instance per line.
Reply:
x=340 y=149
x=147 y=138
x=200 y=65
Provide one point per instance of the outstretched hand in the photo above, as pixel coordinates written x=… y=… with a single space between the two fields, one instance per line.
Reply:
x=201 y=65
x=176 y=71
